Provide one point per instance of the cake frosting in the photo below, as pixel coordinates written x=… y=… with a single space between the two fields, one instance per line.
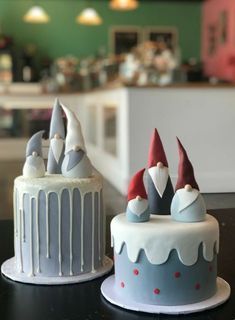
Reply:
x=58 y=215
x=165 y=259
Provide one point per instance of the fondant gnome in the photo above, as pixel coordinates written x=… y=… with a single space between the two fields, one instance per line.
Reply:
x=34 y=166
x=76 y=164
x=188 y=204
x=137 y=208
x=160 y=189
x=57 y=136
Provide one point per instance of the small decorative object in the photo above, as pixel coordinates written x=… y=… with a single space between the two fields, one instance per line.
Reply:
x=137 y=207
x=188 y=204
x=34 y=166
x=160 y=189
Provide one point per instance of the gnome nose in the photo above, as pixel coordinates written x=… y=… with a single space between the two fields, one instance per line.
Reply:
x=57 y=136
x=76 y=148
x=188 y=187
x=160 y=165
x=34 y=154
x=138 y=198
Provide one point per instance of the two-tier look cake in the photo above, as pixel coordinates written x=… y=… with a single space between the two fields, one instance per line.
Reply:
x=165 y=245
x=59 y=222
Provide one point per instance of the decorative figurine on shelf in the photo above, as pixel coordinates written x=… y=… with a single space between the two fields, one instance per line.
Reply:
x=188 y=204
x=57 y=137
x=76 y=163
x=160 y=189
x=137 y=208
x=34 y=166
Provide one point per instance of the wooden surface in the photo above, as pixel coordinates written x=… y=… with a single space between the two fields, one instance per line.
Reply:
x=85 y=302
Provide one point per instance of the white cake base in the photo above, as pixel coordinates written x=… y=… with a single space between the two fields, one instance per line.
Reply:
x=8 y=268
x=222 y=294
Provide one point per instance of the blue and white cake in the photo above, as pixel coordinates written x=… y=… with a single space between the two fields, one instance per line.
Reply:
x=165 y=260
x=58 y=215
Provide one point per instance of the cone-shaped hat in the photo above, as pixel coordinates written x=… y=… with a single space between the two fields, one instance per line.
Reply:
x=136 y=186
x=185 y=170
x=57 y=124
x=74 y=132
x=35 y=144
x=156 y=151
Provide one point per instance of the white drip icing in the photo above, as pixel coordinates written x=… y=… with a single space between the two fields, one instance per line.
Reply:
x=31 y=236
x=71 y=232
x=93 y=232
x=32 y=187
x=47 y=227
x=82 y=226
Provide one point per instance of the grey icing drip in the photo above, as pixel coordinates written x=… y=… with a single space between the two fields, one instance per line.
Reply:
x=71 y=231
x=23 y=225
x=93 y=232
x=99 y=233
x=47 y=227
x=37 y=233
x=31 y=236
x=59 y=233
x=20 y=240
x=82 y=236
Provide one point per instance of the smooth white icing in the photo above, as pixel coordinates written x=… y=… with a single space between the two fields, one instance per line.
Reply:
x=53 y=184
x=138 y=206
x=160 y=235
x=159 y=176
x=57 y=146
x=186 y=198
x=34 y=167
x=74 y=132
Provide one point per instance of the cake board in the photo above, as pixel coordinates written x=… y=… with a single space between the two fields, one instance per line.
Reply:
x=8 y=269
x=222 y=294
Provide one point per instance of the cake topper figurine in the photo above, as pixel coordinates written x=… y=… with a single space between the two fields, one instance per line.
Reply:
x=137 y=208
x=34 y=166
x=188 y=204
x=76 y=164
x=57 y=136
x=160 y=189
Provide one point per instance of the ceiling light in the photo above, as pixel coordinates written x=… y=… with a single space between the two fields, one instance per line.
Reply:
x=35 y=15
x=89 y=17
x=124 y=4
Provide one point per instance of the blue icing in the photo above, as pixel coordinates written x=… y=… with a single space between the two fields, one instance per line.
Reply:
x=83 y=169
x=193 y=213
x=171 y=283
x=35 y=144
x=57 y=123
x=74 y=158
x=134 y=218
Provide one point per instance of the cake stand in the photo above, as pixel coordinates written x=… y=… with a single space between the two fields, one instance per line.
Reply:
x=222 y=294
x=9 y=270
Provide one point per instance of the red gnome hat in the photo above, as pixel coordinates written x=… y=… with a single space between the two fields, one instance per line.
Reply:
x=185 y=170
x=156 y=151
x=136 y=186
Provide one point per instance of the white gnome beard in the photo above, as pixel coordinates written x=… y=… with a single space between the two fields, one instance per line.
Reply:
x=137 y=207
x=159 y=177
x=34 y=167
x=186 y=198
x=57 y=146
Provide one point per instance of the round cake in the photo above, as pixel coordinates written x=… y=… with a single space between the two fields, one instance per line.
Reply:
x=165 y=262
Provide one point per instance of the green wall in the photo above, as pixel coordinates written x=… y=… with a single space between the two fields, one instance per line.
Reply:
x=62 y=35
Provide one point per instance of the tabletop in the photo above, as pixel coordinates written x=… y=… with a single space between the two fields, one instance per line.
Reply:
x=84 y=301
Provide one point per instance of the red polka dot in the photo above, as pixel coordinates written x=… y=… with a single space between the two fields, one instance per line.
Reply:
x=177 y=274
x=136 y=272
x=122 y=284
x=210 y=268
x=156 y=291
x=197 y=286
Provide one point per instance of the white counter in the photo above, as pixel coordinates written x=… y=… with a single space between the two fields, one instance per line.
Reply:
x=202 y=117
